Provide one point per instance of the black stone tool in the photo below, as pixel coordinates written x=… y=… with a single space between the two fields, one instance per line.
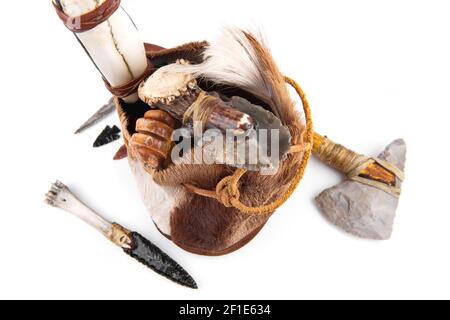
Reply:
x=108 y=135
x=132 y=243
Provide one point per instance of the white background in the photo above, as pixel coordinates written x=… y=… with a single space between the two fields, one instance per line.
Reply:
x=374 y=71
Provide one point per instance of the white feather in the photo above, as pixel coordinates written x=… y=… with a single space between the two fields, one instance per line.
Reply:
x=232 y=60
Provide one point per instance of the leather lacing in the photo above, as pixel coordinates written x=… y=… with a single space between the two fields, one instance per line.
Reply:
x=88 y=20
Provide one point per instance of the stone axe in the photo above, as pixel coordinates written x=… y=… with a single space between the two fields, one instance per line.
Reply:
x=366 y=203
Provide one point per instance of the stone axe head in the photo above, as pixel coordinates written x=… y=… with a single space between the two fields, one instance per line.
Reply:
x=366 y=203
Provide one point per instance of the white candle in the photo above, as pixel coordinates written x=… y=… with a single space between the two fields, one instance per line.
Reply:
x=114 y=46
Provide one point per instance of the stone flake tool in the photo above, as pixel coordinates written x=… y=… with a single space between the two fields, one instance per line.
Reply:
x=132 y=243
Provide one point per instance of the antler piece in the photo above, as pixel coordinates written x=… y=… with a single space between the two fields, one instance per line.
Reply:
x=178 y=93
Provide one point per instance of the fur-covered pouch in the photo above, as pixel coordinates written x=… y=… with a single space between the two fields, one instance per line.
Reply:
x=204 y=225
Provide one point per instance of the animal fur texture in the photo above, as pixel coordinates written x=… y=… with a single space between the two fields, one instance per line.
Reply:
x=195 y=223
x=241 y=59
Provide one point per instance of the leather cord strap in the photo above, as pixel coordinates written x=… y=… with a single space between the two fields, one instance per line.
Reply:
x=89 y=20
x=130 y=87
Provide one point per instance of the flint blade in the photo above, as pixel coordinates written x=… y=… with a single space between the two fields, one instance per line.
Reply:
x=99 y=115
x=151 y=256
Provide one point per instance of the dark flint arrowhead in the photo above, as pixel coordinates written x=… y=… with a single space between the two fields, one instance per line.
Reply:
x=108 y=135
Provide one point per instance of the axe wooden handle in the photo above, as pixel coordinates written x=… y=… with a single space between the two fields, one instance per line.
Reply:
x=343 y=159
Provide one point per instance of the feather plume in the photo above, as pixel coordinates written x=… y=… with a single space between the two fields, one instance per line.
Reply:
x=240 y=59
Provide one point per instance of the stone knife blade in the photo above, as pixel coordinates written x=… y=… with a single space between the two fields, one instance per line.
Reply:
x=99 y=115
x=151 y=256
x=132 y=243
